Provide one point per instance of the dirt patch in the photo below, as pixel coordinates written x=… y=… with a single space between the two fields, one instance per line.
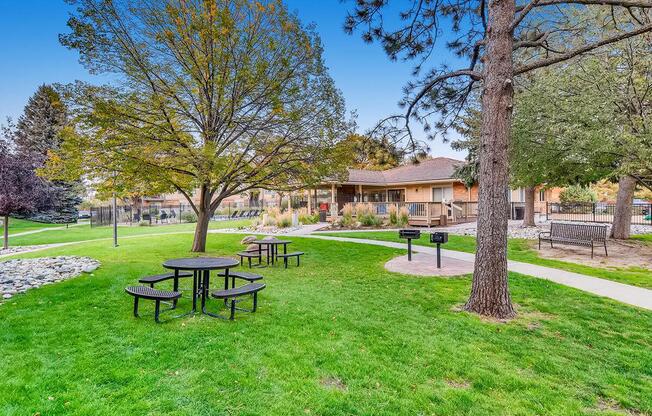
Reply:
x=333 y=383
x=610 y=405
x=457 y=384
x=622 y=254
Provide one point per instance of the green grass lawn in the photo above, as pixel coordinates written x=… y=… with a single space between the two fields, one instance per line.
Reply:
x=19 y=226
x=646 y=238
x=520 y=250
x=85 y=232
x=337 y=336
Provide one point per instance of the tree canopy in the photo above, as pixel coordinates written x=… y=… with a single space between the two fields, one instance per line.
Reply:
x=210 y=99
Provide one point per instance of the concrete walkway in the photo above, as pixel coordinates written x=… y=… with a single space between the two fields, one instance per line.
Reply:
x=631 y=295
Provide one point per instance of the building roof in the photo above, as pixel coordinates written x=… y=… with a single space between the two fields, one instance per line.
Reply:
x=435 y=169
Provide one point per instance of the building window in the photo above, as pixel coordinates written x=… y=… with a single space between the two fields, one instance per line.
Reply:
x=542 y=195
x=440 y=194
x=396 y=195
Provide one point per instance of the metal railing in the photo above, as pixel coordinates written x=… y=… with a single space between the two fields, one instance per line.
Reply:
x=595 y=212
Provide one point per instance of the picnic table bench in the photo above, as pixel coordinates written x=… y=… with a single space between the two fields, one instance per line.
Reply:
x=587 y=235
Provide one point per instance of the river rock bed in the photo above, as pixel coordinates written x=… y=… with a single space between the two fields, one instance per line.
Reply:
x=19 y=275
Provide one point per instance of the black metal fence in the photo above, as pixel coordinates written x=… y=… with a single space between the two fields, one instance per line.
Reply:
x=596 y=212
x=161 y=214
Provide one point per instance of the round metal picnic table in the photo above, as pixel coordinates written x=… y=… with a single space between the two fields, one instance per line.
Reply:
x=201 y=268
x=272 y=247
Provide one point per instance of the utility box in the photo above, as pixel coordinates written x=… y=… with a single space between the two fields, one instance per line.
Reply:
x=439 y=238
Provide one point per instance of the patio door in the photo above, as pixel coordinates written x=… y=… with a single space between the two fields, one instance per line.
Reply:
x=443 y=194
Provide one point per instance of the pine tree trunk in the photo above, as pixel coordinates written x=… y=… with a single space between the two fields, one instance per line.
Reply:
x=490 y=292
x=528 y=218
x=5 y=232
x=623 y=213
x=203 y=218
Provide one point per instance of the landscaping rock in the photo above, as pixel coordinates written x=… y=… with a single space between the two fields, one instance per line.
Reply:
x=20 y=275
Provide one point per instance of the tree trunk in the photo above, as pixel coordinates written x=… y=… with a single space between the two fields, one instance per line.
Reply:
x=5 y=232
x=623 y=213
x=528 y=218
x=203 y=217
x=489 y=291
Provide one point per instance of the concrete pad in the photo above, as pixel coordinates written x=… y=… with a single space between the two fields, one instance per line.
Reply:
x=423 y=264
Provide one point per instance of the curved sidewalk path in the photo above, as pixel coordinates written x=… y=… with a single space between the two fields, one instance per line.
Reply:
x=631 y=295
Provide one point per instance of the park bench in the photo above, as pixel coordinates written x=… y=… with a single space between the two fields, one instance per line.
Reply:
x=586 y=235
x=149 y=293
x=236 y=292
x=286 y=256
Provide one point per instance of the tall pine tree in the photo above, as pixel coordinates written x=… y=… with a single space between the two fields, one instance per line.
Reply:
x=37 y=134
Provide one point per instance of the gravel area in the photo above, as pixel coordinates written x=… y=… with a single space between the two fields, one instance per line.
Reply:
x=19 y=275
x=516 y=229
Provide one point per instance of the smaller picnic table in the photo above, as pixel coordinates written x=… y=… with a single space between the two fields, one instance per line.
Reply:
x=271 y=247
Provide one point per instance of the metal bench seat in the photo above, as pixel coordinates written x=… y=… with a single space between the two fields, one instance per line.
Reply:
x=233 y=293
x=157 y=278
x=151 y=294
x=286 y=256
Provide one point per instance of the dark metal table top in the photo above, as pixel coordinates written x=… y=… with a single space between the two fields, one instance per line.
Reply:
x=201 y=263
x=271 y=242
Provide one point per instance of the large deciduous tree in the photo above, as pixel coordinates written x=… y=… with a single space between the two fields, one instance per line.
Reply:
x=502 y=39
x=210 y=98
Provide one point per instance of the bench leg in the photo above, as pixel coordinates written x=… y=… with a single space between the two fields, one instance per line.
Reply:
x=539 y=243
x=249 y=258
x=232 y=309
x=241 y=261
x=605 y=249
x=157 y=311
x=285 y=262
x=591 y=250
x=298 y=257
x=255 y=302
x=136 y=306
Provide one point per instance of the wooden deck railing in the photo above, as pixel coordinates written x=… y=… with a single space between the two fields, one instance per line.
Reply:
x=429 y=212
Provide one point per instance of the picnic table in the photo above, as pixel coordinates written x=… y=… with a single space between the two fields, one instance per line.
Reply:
x=201 y=268
x=271 y=247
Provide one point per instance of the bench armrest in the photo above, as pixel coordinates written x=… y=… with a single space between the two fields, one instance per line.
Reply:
x=544 y=233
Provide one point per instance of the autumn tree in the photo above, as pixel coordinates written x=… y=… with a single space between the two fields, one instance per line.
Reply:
x=597 y=114
x=210 y=98
x=502 y=39
x=373 y=153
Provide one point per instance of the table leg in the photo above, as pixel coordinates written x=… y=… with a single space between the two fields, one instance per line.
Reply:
x=175 y=287
x=268 y=255
x=195 y=283
x=204 y=288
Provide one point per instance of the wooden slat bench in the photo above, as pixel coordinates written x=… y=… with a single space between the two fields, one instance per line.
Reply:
x=286 y=256
x=586 y=235
x=234 y=293
x=156 y=295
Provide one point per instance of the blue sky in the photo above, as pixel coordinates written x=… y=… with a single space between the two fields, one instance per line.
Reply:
x=32 y=55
